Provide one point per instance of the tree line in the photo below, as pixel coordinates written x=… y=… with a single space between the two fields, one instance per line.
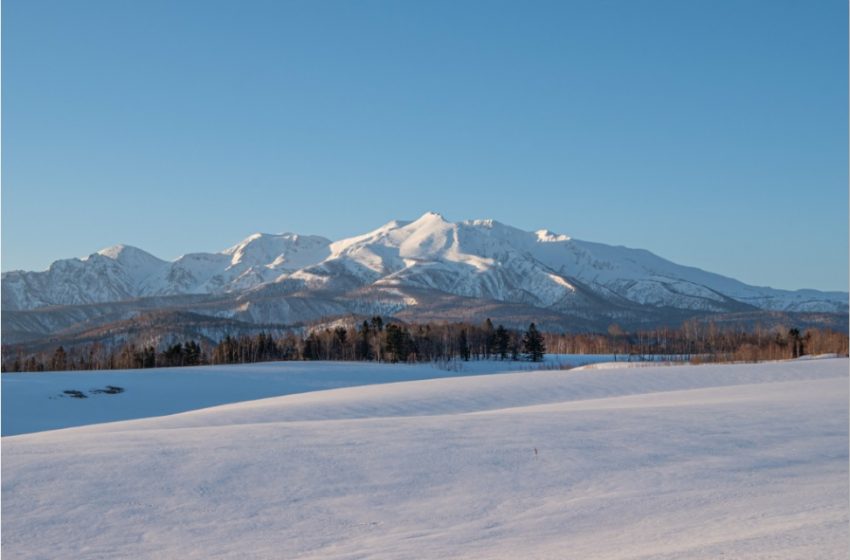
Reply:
x=704 y=342
x=372 y=340
x=389 y=341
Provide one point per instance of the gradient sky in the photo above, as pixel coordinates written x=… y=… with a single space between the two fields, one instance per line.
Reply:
x=712 y=133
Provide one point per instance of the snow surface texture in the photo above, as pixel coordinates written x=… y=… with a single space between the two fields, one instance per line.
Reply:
x=476 y=258
x=34 y=402
x=736 y=461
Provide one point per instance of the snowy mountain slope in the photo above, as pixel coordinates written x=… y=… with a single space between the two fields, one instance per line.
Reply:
x=698 y=462
x=122 y=272
x=461 y=259
x=481 y=259
x=487 y=259
x=113 y=274
x=642 y=277
x=258 y=259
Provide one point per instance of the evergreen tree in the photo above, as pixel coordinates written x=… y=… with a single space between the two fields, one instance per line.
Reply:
x=397 y=343
x=364 y=349
x=532 y=344
x=311 y=347
x=501 y=341
x=340 y=337
x=192 y=353
x=171 y=356
x=149 y=357
x=797 y=348
x=463 y=346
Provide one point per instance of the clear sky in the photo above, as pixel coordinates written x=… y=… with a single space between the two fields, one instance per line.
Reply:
x=712 y=133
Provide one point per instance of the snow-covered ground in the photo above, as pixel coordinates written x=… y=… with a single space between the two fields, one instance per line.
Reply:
x=734 y=461
x=34 y=402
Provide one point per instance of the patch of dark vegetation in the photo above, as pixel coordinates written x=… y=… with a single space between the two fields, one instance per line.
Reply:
x=110 y=390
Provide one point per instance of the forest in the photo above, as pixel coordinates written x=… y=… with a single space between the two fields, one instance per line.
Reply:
x=389 y=341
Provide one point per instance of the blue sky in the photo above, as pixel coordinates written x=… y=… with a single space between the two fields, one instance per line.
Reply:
x=713 y=133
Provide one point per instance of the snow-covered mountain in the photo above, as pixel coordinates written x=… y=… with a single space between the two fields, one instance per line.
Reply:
x=491 y=260
x=122 y=272
x=401 y=267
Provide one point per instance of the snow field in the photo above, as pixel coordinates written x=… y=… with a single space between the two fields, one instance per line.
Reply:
x=34 y=402
x=743 y=461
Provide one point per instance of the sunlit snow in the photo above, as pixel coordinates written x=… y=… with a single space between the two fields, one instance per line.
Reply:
x=733 y=461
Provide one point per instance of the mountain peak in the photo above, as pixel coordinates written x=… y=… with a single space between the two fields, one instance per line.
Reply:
x=547 y=236
x=121 y=252
x=266 y=249
x=263 y=240
x=428 y=224
x=430 y=217
x=113 y=252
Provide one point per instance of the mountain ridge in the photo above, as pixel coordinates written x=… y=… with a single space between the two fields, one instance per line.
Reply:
x=402 y=267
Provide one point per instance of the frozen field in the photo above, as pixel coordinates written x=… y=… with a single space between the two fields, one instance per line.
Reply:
x=736 y=461
x=38 y=402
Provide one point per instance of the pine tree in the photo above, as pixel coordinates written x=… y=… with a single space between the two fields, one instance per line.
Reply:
x=532 y=344
x=398 y=346
x=311 y=347
x=797 y=348
x=192 y=353
x=149 y=357
x=364 y=349
x=463 y=346
x=502 y=340
x=340 y=338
